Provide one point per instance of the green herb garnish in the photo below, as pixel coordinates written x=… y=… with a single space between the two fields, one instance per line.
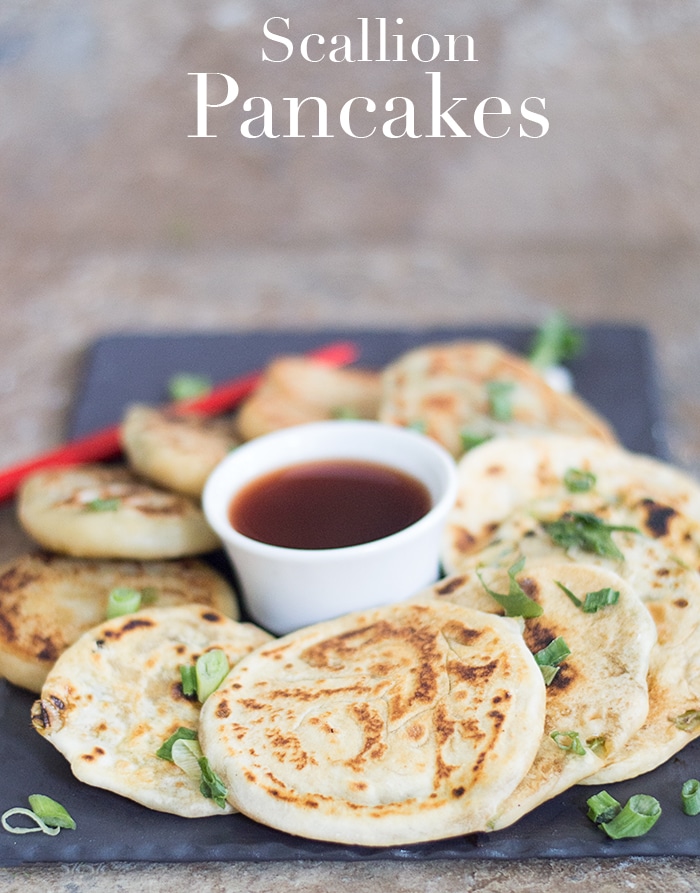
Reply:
x=578 y=481
x=588 y=532
x=569 y=741
x=211 y=785
x=688 y=721
x=102 y=505
x=470 y=440
x=515 y=602
x=690 y=796
x=555 y=342
x=188 y=385
x=593 y=601
x=47 y=814
x=184 y=751
x=637 y=816
x=500 y=400
x=602 y=807
x=418 y=425
x=123 y=600
x=549 y=658
x=206 y=675
x=165 y=751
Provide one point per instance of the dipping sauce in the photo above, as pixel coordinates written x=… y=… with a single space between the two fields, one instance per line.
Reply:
x=328 y=504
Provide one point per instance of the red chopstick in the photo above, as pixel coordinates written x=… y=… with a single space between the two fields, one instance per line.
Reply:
x=106 y=444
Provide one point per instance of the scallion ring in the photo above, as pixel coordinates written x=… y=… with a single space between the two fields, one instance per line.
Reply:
x=637 y=816
x=690 y=796
x=123 y=600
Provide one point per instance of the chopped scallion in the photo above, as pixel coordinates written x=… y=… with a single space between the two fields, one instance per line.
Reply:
x=165 y=751
x=587 y=531
x=500 y=400
x=637 y=816
x=578 y=481
x=593 y=601
x=470 y=440
x=515 y=602
x=102 y=505
x=549 y=658
x=123 y=600
x=211 y=668
x=187 y=385
x=688 y=721
x=556 y=341
x=569 y=741
x=602 y=807
x=690 y=796
x=51 y=812
x=186 y=755
x=211 y=785
x=47 y=814
x=188 y=678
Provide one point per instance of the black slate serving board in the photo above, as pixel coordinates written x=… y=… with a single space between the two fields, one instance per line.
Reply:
x=616 y=374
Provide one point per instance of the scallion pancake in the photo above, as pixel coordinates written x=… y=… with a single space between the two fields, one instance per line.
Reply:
x=387 y=727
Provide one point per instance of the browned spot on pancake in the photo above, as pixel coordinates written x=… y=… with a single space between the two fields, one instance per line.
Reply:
x=252 y=704
x=495 y=470
x=529 y=587
x=458 y=792
x=415 y=731
x=441 y=402
x=133 y=623
x=287 y=748
x=449 y=586
x=358 y=786
x=462 y=540
x=538 y=635
x=46 y=649
x=223 y=710
x=662 y=572
x=470 y=672
x=93 y=755
x=16 y=578
x=7 y=630
x=461 y=634
x=372 y=725
x=681 y=603
x=658 y=517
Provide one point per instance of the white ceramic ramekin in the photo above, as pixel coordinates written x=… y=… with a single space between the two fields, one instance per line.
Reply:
x=285 y=589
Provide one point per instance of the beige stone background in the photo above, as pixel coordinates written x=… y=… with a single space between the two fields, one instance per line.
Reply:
x=112 y=219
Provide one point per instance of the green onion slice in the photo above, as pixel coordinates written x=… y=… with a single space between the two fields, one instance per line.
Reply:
x=186 y=755
x=51 y=812
x=47 y=814
x=211 y=785
x=578 y=481
x=556 y=341
x=587 y=531
x=569 y=741
x=499 y=395
x=123 y=600
x=593 y=601
x=165 y=751
x=549 y=658
x=637 y=816
x=418 y=425
x=471 y=439
x=187 y=385
x=688 y=721
x=515 y=602
x=40 y=824
x=102 y=505
x=690 y=796
x=211 y=669
x=188 y=677
x=602 y=807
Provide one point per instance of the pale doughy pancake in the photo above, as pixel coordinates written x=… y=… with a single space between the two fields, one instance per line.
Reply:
x=115 y=696
x=401 y=724
x=105 y=511
x=176 y=452
x=295 y=390
x=466 y=390
x=600 y=689
x=47 y=601
x=498 y=478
